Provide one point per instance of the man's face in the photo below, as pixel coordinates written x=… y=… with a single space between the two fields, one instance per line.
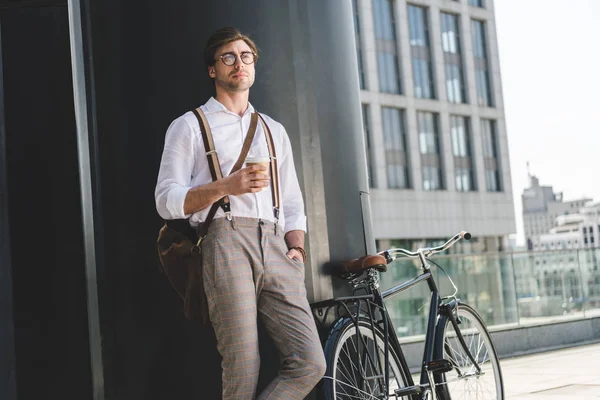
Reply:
x=238 y=77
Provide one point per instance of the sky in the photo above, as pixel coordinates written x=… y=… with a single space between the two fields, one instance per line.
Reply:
x=550 y=65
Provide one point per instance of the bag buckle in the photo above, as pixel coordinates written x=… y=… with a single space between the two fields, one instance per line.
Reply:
x=196 y=247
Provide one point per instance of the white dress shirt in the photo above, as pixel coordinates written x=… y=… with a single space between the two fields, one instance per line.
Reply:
x=184 y=166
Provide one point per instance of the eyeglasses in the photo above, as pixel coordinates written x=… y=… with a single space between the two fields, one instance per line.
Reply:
x=229 y=59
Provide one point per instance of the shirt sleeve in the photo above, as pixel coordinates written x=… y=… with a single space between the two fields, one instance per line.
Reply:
x=291 y=196
x=175 y=172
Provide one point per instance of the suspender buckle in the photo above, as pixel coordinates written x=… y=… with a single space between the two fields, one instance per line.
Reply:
x=226 y=206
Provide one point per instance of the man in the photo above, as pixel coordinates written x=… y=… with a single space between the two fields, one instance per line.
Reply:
x=253 y=260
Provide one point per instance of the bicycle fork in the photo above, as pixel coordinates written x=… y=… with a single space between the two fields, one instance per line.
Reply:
x=452 y=311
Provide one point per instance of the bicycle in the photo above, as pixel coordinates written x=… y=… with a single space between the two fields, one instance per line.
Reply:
x=365 y=361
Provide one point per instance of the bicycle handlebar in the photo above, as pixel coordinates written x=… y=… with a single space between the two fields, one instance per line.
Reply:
x=392 y=254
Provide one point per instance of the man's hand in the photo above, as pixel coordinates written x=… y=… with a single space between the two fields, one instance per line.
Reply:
x=295 y=254
x=251 y=179
x=295 y=238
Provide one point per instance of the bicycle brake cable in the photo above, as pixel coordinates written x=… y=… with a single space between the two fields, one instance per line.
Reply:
x=453 y=295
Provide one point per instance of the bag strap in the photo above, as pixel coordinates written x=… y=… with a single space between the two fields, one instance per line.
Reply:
x=247 y=143
x=215 y=166
x=273 y=169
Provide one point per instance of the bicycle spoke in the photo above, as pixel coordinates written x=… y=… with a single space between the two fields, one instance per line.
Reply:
x=475 y=373
x=349 y=375
x=370 y=396
x=356 y=363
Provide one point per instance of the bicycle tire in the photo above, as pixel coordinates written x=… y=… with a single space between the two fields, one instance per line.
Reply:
x=463 y=382
x=340 y=353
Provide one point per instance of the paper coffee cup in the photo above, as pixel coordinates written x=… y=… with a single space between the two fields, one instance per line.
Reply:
x=259 y=160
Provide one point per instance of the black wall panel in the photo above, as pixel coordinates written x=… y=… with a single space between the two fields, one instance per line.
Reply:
x=50 y=317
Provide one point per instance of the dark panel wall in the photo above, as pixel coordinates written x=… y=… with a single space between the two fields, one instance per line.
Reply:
x=50 y=318
x=8 y=387
x=148 y=69
x=145 y=75
x=144 y=69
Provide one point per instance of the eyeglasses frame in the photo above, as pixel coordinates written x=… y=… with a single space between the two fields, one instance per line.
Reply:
x=238 y=56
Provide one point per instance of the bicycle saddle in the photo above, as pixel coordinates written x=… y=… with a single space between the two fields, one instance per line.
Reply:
x=359 y=264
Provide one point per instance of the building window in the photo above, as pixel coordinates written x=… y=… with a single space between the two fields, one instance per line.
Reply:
x=429 y=147
x=386 y=46
x=461 y=149
x=482 y=73
x=367 y=132
x=420 y=52
x=455 y=87
x=394 y=142
x=489 y=137
x=361 y=70
x=476 y=3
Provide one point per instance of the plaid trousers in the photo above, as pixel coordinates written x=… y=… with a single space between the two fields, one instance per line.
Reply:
x=247 y=275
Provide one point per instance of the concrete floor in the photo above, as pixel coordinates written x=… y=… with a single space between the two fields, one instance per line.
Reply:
x=572 y=373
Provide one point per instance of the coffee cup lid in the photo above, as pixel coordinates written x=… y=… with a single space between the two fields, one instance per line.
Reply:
x=257 y=159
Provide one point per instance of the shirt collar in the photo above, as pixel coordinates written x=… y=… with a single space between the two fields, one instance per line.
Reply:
x=213 y=105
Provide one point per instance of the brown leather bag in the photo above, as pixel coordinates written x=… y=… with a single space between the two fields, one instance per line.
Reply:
x=181 y=260
x=179 y=245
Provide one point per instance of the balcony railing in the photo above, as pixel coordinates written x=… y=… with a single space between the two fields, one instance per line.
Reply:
x=507 y=289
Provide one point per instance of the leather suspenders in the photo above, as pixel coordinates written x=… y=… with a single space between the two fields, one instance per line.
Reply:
x=215 y=166
x=273 y=169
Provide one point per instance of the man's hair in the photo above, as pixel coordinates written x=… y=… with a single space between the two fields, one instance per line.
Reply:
x=222 y=37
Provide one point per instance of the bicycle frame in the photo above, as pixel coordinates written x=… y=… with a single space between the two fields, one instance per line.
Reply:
x=432 y=316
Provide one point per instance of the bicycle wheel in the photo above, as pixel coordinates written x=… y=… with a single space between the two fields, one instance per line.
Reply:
x=464 y=381
x=348 y=354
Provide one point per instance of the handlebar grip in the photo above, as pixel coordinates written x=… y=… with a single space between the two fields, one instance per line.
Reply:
x=465 y=235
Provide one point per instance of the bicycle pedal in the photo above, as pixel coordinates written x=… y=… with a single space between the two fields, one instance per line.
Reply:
x=439 y=366
x=408 y=391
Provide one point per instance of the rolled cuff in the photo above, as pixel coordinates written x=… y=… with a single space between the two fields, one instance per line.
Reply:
x=295 y=223
x=175 y=202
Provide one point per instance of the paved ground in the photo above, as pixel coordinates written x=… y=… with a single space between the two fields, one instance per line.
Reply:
x=572 y=373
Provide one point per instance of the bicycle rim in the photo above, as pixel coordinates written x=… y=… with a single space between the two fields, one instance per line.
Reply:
x=344 y=381
x=464 y=381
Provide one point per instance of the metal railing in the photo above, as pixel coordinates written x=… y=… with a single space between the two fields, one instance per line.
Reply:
x=508 y=289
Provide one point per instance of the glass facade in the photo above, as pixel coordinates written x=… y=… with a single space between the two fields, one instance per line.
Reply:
x=367 y=131
x=489 y=137
x=453 y=66
x=414 y=152
x=461 y=150
x=482 y=73
x=386 y=46
x=394 y=142
x=420 y=52
x=361 y=70
x=431 y=166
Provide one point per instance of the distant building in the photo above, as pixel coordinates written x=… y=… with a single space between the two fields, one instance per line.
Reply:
x=433 y=115
x=542 y=207
x=573 y=231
